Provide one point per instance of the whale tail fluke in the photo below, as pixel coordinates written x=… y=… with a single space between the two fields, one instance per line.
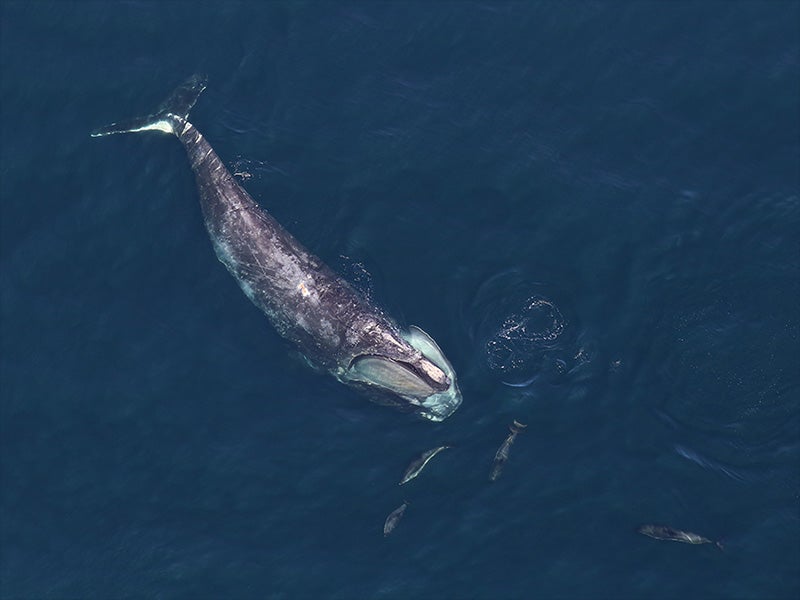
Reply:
x=179 y=103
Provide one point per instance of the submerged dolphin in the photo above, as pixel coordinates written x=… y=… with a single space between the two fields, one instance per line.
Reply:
x=332 y=325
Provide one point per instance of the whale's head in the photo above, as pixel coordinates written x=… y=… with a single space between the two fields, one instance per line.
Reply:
x=424 y=381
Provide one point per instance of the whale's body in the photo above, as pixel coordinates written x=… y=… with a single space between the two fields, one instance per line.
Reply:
x=331 y=324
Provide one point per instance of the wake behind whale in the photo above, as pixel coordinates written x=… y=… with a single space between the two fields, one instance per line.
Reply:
x=328 y=320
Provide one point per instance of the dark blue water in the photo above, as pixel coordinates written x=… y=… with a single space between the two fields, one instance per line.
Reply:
x=594 y=209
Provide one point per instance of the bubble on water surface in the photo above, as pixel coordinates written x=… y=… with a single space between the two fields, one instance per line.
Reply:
x=518 y=346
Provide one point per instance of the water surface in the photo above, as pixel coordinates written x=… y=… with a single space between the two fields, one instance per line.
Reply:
x=592 y=207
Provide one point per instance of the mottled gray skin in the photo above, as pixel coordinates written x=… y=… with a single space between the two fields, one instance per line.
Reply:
x=416 y=466
x=329 y=322
x=501 y=457
x=394 y=518
x=333 y=326
x=663 y=532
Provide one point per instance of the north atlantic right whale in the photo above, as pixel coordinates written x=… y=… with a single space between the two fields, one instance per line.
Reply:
x=335 y=327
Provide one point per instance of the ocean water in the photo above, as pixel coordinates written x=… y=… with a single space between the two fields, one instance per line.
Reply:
x=593 y=208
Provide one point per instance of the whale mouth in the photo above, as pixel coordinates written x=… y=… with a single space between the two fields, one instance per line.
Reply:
x=428 y=385
x=438 y=407
x=444 y=402
x=403 y=378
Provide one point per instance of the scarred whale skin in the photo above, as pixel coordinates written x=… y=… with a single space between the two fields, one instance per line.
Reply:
x=329 y=322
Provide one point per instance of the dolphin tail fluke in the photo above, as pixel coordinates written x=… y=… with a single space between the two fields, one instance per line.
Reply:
x=179 y=103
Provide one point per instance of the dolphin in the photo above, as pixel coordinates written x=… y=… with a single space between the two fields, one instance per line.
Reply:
x=333 y=326
x=662 y=532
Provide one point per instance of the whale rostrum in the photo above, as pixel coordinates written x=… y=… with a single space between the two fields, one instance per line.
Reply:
x=335 y=327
